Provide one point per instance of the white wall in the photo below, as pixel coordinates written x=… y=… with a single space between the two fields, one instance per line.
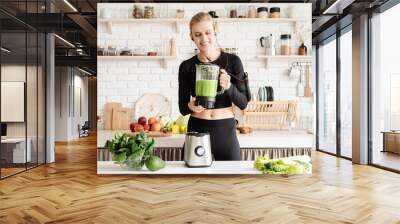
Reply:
x=67 y=80
x=126 y=81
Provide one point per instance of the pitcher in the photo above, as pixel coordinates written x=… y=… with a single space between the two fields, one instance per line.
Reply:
x=269 y=43
x=207 y=76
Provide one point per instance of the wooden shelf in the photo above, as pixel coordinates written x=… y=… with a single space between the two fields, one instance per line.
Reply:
x=185 y=20
x=175 y=21
x=163 y=59
x=286 y=57
x=275 y=20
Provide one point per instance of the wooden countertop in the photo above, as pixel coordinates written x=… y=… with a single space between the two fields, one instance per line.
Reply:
x=256 y=139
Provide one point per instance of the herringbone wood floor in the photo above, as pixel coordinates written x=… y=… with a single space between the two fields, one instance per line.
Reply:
x=70 y=191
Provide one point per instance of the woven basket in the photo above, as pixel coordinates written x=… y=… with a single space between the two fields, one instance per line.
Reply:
x=270 y=114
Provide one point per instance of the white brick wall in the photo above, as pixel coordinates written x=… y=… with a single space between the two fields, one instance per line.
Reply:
x=125 y=81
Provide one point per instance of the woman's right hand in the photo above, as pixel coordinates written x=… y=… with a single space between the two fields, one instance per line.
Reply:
x=192 y=106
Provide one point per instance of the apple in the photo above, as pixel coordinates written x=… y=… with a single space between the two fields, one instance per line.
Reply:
x=146 y=127
x=138 y=127
x=142 y=120
x=152 y=120
x=132 y=126
x=156 y=127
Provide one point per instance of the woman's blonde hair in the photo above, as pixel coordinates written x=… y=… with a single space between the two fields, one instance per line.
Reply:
x=199 y=17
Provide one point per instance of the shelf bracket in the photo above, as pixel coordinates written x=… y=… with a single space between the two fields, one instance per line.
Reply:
x=164 y=63
x=266 y=63
x=109 y=27
x=177 y=27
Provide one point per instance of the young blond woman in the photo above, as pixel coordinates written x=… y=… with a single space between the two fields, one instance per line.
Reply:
x=219 y=122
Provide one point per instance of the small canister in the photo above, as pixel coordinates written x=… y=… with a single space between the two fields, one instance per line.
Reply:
x=286 y=44
x=262 y=12
x=252 y=13
x=275 y=12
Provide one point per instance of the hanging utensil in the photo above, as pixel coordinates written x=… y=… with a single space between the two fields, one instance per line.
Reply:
x=300 y=85
x=307 y=88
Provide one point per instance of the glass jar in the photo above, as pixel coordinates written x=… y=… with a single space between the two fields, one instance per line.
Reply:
x=180 y=13
x=233 y=12
x=286 y=44
x=262 y=12
x=148 y=12
x=137 y=12
x=252 y=12
x=100 y=51
x=275 y=12
x=242 y=11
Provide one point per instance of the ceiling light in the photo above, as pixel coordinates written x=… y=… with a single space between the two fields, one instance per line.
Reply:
x=70 y=5
x=64 y=40
x=84 y=71
x=5 y=50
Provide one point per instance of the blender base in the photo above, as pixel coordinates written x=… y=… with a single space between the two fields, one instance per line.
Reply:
x=206 y=102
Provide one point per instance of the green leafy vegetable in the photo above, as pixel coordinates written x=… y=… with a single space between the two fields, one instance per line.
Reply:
x=281 y=166
x=132 y=151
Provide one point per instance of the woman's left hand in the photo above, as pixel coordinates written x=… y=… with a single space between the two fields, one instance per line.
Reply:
x=224 y=79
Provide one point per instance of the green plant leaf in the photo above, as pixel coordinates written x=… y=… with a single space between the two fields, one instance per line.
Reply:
x=119 y=158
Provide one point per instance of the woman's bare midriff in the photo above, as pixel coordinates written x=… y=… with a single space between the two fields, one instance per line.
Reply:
x=215 y=114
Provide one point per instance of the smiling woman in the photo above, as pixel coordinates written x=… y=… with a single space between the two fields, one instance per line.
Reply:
x=216 y=118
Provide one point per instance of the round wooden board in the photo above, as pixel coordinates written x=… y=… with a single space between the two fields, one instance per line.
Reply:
x=152 y=104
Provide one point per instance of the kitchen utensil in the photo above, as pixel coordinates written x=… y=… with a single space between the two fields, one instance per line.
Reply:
x=197 y=150
x=108 y=113
x=207 y=76
x=269 y=43
x=213 y=14
x=294 y=72
x=307 y=88
x=300 y=85
x=152 y=104
x=121 y=118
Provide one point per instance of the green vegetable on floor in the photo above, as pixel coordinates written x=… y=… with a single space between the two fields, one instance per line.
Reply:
x=134 y=151
x=281 y=166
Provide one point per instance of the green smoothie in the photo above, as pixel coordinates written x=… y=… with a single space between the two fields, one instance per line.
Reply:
x=206 y=88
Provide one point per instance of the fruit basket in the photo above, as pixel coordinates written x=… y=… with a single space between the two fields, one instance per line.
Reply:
x=270 y=114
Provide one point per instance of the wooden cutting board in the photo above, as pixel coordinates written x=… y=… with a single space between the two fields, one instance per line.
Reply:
x=108 y=116
x=121 y=118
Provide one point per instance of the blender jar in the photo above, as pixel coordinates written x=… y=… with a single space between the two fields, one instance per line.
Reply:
x=206 y=84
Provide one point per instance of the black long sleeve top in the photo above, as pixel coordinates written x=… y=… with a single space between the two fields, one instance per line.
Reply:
x=235 y=94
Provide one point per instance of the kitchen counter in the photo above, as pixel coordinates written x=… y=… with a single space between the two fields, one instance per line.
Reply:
x=179 y=167
x=274 y=144
x=256 y=139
